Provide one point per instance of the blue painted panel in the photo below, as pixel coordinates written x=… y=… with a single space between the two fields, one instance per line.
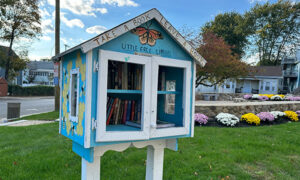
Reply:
x=86 y=153
x=72 y=130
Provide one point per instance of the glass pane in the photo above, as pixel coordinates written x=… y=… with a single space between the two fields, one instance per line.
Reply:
x=74 y=95
x=126 y=76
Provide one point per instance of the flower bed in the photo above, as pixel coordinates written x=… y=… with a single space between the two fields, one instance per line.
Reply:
x=227 y=119
x=271 y=97
x=250 y=118
x=200 y=119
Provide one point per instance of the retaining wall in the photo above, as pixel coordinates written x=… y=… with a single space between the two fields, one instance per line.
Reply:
x=239 y=109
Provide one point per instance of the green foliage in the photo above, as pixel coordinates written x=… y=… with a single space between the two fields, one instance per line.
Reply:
x=265 y=152
x=228 y=26
x=221 y=63
x=275 y=30
x=18 y=19
x=16 y=90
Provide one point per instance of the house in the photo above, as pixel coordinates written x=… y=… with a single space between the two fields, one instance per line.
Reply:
x=38 y=73
x=3 y=58
x=261 y=80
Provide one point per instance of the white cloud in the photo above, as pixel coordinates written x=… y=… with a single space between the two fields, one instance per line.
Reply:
x=64 y=40
x=44 y=12
x=252 y=59
x=96 y=29
x=47 y=26
x=46 y=38
x=80 y=7
x=71 y=23
x=119 y=3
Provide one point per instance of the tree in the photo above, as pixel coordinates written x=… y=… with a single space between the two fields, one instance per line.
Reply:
x=228 y=26
x=221 y=63
x=17 y=62
x=275 y=30
x=18 y=19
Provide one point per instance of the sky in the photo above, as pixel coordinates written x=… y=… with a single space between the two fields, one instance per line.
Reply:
x=84 y=19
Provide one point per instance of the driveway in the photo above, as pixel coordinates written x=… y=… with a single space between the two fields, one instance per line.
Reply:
x=29 y=105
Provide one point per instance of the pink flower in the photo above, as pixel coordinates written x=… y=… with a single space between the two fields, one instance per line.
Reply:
x=201 y=118
x=265 y=116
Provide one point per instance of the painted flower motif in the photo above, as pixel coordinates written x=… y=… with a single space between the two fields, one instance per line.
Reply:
x=277 y=114
x=247 y=96
x=227 y=119
x=266 y=116
x=201 y=118
x=251 y=118
x=292 y=115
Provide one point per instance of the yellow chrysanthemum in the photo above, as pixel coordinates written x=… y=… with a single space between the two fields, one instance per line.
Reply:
x=291 y=115
x=251 y=118
x=268 y=95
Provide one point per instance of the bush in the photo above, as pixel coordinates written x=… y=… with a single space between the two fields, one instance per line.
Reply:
x=16 y=90
x=277 y=98
x=292 y=115
x=277 y=114
x=251 y=118
x=201 y=118
x=266 y=116
x=227 y=119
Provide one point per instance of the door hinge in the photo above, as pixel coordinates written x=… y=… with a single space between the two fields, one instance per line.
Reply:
x=96 y=66
x=94 y=124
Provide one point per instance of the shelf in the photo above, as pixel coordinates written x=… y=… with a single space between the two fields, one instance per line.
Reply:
x=121 y=91
x=168 y=92
x=121 y=127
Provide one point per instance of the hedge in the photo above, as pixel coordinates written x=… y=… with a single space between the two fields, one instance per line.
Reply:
x=16 y=90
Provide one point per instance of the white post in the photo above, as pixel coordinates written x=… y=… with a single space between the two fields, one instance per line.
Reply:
x=155 y=162
x=90 y=171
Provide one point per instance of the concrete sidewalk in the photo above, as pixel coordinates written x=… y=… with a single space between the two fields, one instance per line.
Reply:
x=26 y=123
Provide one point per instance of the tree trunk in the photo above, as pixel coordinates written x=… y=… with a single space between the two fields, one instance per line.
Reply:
x=9 y=54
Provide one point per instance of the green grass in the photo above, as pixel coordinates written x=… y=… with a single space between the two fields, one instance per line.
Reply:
x=43 y=116
x=267 y=152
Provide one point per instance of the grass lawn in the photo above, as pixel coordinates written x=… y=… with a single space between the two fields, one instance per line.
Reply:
x=267 y=152
x=43 y=116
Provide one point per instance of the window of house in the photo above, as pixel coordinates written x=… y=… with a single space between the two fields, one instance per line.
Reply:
x=74 y=90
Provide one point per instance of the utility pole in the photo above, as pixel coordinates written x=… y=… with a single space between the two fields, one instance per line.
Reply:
x=57 y=49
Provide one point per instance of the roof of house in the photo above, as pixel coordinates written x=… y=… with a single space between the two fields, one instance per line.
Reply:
x=4 y=50
x=266 y=71
x=131 y=24
x=34 y=65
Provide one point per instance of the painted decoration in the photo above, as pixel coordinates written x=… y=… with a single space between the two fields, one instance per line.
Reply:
x=146 y=35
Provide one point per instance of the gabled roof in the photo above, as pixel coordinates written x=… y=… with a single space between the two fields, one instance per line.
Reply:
x=266 y=71
x=131 y=24
x=34 y=65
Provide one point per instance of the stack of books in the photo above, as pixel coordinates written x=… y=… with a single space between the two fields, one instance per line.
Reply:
x=125 y=76
x=120 y=111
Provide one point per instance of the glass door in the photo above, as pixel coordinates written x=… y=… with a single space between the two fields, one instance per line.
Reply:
x=170 y=97
x=124 y=86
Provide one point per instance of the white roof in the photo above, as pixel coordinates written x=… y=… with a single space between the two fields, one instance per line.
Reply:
x=133 y=23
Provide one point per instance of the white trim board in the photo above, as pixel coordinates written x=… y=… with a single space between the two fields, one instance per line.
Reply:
x=133 y=23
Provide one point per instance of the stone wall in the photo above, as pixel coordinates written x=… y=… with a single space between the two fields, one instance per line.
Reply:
x=221 y=96
x=240 y=109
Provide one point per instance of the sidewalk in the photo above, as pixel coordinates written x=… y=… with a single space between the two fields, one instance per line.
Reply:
x=25 y=123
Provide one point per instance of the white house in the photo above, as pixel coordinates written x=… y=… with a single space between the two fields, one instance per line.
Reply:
x=38 y=73
x=263 y=80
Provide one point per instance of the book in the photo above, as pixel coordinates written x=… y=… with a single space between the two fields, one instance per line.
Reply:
x=128 y=111
x=111 y=100
x=164 y=124
x=111 y=111
x=125 y=112
x=133 y=124
x=132 y=110
x=117 y=111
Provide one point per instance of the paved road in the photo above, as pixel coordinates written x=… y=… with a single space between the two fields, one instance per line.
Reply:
x=29 y=105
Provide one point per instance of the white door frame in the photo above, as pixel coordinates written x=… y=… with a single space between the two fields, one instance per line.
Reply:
x=172 y=131
x=101 y=134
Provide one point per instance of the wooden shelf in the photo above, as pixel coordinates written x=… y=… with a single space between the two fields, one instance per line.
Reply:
x=121 y=127
x=122 y=91
x=168 y=92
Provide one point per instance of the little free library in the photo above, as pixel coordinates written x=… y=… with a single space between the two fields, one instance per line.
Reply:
x=131 y=86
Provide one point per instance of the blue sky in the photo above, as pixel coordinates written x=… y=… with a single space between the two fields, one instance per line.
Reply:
x=84 y=19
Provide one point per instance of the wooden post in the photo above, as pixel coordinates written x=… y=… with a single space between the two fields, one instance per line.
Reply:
x=57 y=49
x=155 y=162
x=90 y=171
